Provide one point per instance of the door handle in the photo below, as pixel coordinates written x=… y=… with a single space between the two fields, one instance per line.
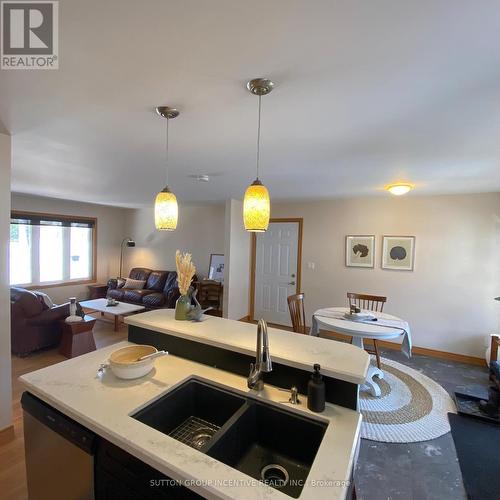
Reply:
x=292 y=283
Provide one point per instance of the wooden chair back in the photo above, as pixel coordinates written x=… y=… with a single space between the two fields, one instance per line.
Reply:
x=369 y=302
x=297 y=312
x=210 y=293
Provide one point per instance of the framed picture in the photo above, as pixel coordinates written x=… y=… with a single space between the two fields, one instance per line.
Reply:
x=398 y=252
x=216 y=267
x=359 y=251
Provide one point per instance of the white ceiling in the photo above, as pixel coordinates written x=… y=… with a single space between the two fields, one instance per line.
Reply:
x=367 y=92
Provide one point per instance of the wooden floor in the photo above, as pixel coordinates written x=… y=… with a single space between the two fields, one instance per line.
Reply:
x=12 y=467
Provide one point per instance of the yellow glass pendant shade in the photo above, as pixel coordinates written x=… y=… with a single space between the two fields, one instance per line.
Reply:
x=256 y=207
x=166 y=210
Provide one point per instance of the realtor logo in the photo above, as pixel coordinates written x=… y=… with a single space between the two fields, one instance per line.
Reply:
x=29 y=35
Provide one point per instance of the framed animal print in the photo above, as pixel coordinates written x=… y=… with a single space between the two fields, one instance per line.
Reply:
x=359 y=251
x=398 y=253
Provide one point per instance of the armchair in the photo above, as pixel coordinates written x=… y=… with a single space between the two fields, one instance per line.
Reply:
x=33 y=324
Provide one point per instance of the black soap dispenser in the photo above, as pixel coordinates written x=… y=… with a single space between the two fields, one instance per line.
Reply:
x=316 y=391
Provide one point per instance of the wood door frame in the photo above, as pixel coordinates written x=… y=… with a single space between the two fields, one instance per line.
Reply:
x=253 y=252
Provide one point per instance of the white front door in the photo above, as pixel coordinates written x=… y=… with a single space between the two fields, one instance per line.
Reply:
x=276 y=271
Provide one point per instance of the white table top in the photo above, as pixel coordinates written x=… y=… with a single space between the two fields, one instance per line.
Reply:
x=357 y=328
x=118 y=310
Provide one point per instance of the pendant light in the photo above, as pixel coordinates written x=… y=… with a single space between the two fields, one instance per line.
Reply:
x=256 y=203
x=166 y=209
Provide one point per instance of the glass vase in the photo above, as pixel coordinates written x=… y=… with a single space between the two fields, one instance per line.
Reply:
x=182 y=307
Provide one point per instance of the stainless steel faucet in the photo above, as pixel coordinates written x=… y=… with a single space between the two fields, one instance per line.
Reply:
x=262 y=359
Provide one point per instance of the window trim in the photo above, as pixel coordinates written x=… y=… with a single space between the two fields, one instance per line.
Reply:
x=52 y=284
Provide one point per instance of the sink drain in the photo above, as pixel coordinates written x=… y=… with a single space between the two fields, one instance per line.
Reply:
x=275 y=475
x=201 y=437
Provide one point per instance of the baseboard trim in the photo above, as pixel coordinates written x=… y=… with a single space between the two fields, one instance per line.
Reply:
x=434 y=353
x=7 y=435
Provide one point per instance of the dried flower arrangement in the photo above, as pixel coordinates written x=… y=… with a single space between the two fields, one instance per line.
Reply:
x=185 y=271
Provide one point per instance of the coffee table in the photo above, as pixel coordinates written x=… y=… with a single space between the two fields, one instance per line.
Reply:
x=121 y=309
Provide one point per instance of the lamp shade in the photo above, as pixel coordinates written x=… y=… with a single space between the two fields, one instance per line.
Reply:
x=256 y=207
x=166 y=210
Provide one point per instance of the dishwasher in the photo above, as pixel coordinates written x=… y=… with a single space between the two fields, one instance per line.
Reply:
x=59 y=453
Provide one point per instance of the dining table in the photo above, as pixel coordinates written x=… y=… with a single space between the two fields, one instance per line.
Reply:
x=380 y=326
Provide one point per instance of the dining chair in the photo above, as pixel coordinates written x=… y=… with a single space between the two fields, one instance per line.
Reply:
x=371 y=303
x=297 y=312
x=210 y=295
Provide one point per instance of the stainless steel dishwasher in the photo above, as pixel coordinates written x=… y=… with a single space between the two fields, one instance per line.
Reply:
x=59 y=453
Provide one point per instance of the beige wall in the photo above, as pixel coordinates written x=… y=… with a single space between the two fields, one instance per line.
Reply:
x=237 y=263
x=5 y=374
x=200 y=231
x=448 y=299
x=110 y=232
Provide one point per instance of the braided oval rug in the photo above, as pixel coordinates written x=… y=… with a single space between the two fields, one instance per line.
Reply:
x=411 y=408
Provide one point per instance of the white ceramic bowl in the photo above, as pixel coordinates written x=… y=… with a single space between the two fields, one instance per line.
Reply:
x=124 y=364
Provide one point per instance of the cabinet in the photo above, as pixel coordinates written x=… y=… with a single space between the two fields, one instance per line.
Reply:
x=121 y=476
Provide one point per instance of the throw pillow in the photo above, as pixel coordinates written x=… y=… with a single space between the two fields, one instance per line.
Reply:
x=134 y=284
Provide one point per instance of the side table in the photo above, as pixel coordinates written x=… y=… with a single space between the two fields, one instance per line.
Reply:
x=97 y=291
x=77 y=338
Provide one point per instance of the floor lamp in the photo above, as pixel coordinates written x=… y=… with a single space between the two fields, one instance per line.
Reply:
x=130 y=243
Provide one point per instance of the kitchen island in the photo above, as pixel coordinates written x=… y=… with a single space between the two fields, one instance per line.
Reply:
x=105 y=405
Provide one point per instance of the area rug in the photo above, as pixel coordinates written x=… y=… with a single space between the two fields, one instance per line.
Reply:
x=477 y=444
x=411 y=408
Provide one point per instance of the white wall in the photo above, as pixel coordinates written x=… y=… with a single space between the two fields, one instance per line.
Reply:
x=200 y=231
x=448 y=299
x=5 y=367
x=110 y=233
x=237 y=263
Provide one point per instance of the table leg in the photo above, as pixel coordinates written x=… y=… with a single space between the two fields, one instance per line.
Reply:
x=117 y=322
x=314 y=331
x=358 y=342
x=373 y=371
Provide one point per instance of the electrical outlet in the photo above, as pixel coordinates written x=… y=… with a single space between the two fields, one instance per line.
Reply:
x=311 y=266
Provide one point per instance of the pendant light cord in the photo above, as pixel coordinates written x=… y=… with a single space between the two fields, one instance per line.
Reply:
x=167 y=154
x=258 y=137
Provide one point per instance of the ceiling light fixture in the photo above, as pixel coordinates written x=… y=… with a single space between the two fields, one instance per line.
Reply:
x=399 y=188
x=166 y=208
x=256 y=204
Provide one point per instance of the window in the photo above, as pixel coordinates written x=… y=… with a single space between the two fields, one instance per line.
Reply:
x=51 y=249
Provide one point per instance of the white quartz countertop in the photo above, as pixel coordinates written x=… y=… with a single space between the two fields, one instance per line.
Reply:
x=337 y=359
x=104 y=405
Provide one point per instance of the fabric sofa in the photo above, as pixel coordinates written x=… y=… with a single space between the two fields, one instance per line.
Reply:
x=34 y=325
x=160 y=290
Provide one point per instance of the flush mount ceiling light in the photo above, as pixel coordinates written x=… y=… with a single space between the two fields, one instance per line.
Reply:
x=256 y=204
x=166 y=209
x=399 y=188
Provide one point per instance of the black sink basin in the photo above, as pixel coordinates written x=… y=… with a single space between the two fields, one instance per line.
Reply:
x=261 y=440
x=192 y=413
x=271 y=444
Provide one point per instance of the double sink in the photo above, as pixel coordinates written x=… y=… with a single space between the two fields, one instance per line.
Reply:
x=266 y=442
